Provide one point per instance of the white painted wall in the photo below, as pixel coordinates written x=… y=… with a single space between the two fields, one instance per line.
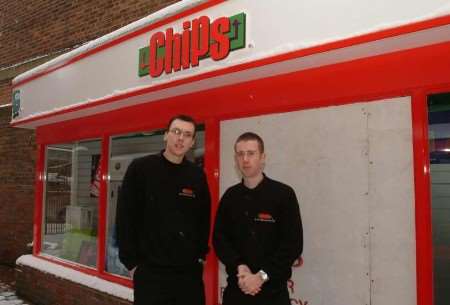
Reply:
x=352 y=169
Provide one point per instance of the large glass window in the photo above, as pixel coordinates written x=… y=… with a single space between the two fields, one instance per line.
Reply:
x=123 y=150
x=439 y=135
x=71 y=201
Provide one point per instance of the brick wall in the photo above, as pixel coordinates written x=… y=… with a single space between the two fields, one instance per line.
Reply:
x=33 y=28
x=17 y=157
x=46 y=289
x=5 y=91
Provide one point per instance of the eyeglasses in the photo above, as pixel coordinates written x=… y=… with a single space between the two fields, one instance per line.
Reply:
x=179 y=132
x=248 y=153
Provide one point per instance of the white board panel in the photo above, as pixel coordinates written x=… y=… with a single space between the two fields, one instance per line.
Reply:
x=391 y=203
x=335 y=158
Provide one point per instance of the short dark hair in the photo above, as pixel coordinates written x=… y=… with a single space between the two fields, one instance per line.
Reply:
x=250 y=136
x=185 y=118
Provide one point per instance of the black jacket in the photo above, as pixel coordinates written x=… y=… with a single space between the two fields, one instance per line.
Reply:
x=261 y=228
x=163 y=214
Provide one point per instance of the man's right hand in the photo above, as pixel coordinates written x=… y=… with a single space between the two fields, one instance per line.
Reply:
x=242 y=272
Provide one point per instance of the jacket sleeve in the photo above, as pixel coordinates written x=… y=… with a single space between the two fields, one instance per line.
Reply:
x=205 y=218
x=290 y=236
x=127 y=233
x=222 y=239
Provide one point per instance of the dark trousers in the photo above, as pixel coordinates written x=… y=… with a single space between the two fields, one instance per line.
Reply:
x=167 y=287
x=234 y=296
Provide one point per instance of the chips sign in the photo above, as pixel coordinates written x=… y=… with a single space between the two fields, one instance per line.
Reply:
x=201 y=38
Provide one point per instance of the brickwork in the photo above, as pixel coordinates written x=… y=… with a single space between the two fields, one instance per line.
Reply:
x=17 y=159
x=46 y=289
x=8 y=294
x=5 y=92
x=34 y=28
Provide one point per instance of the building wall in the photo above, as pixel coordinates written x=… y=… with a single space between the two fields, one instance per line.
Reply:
x=36 y=28
x=31 y=33
x=17 y=157
x=47 y=289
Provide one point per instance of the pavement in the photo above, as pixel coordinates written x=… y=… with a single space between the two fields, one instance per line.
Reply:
x=7 y=287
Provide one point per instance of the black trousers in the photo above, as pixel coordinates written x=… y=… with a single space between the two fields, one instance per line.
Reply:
x=268 y=296
x=168 y=287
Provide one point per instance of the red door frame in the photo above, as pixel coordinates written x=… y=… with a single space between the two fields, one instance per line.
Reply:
x=424 y=261
x=414 y=73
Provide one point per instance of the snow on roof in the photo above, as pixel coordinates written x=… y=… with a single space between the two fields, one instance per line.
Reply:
x=76 y=277
x=159 y=15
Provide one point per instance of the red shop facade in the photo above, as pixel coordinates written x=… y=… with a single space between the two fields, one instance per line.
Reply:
x=355 y=114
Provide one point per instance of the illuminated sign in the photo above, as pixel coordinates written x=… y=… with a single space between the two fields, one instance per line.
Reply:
x=15 y=104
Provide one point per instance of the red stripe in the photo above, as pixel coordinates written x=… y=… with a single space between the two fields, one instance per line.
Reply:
x=38 y=204
x=424 y=243
x=378 y=77
x=212 y=136
x=102 y=202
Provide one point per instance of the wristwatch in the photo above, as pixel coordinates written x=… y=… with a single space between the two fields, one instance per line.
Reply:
x=263 y=275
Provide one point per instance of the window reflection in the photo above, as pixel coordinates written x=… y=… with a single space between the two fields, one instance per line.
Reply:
x=71 y=201
x=124 y=149
x=439 y=136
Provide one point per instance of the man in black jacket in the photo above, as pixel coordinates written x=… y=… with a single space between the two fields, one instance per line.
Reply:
x=163 y=222
x=258 y=231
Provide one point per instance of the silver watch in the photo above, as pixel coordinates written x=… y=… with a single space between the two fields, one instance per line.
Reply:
x=263 y=275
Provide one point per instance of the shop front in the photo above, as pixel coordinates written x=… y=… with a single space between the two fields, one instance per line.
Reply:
x=352 y=102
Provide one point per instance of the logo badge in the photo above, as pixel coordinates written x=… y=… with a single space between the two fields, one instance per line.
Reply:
x=187 y=192
x=265 y=217
x=15 y=104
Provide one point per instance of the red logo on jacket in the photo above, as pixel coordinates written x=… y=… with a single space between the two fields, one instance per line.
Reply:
x=187 y=192
x=264 y=217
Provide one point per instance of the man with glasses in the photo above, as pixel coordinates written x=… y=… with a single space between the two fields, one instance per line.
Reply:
x=258 y=231
x=163 y=222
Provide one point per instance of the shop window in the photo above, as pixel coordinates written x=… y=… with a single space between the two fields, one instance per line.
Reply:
x=124 y=149
x=71 y=201
x=439 y=136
